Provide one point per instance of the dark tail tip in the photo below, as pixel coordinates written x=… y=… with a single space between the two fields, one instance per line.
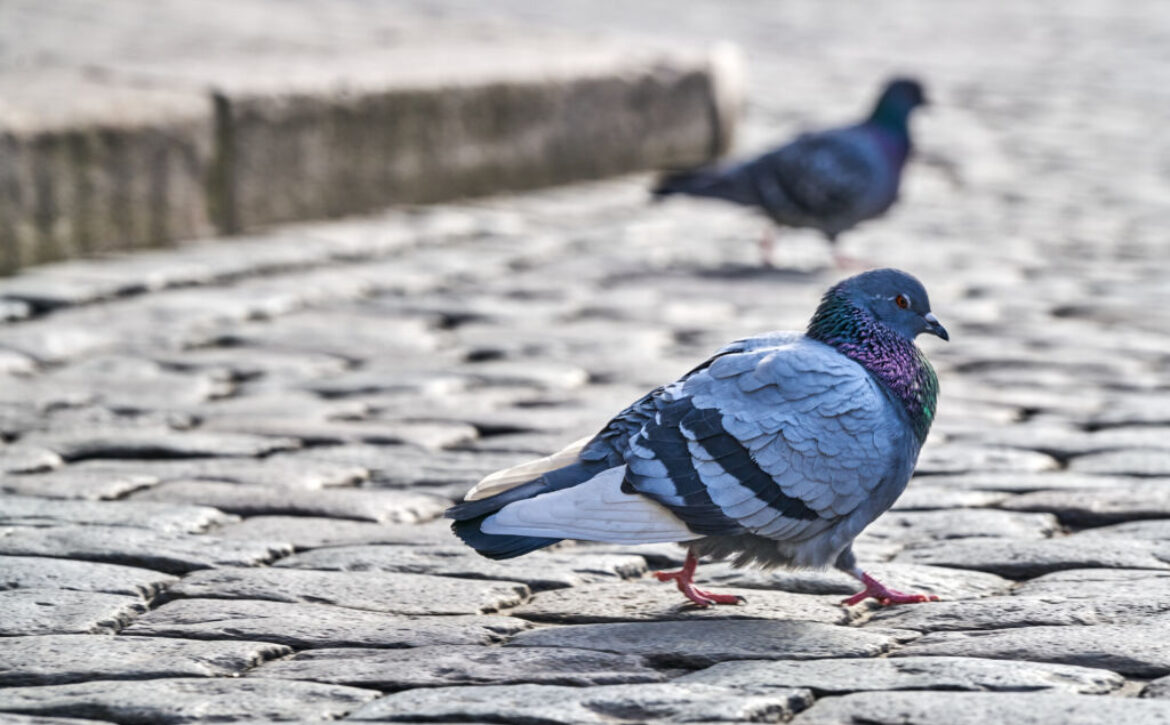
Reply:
x=497 y=546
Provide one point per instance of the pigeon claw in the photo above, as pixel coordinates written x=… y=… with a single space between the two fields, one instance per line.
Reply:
x=685 y=580
x=884 y=595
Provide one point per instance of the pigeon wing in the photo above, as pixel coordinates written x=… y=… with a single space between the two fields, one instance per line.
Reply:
x=780 y=441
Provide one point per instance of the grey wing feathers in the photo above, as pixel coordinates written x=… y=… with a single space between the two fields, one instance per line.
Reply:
x=822 y=176
x=778 y=440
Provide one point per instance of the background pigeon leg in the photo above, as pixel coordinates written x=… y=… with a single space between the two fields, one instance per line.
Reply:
x=684 y=578
x=884 y=595
x=767 y=244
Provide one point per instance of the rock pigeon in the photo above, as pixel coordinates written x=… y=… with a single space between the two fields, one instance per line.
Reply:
x=778 y=450
x=831 y=180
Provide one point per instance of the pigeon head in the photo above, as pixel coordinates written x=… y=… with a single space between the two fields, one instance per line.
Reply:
x=888 y=298
x=898 y=99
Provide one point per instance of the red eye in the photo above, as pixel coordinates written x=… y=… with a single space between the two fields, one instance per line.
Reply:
x=901 y=301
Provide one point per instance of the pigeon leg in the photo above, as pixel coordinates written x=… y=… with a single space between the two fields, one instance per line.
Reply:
x=685 y=579
x=884 y=595
x=767 y=242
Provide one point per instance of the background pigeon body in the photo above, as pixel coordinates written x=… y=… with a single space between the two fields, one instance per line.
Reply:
x=778 y=450
x=831 y=180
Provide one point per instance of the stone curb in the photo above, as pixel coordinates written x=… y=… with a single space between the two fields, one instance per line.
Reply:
x=126 y=157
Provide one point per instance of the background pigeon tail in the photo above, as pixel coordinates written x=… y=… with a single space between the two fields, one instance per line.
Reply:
x=707 y=182
x=497 y=546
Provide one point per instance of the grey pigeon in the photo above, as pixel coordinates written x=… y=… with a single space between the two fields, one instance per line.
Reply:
x=778 y=450
x=830 y=180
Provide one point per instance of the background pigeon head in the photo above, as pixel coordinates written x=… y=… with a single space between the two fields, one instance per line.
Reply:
x=895 y=299
x=900 y=97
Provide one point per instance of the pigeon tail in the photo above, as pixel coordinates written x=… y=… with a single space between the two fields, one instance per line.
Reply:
x=497 y=546
x=707 y=182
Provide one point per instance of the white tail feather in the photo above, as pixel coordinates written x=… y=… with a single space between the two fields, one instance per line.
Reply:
x=596 y=510
x=510 y=478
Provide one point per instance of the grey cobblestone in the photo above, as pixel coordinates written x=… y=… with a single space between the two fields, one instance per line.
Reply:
x=225 y=452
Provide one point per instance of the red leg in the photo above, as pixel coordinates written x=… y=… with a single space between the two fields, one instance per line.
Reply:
x=685 y=579
x=884 y=595
x=767 y=242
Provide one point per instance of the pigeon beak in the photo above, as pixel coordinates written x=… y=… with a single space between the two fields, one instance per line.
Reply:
x=934 y=327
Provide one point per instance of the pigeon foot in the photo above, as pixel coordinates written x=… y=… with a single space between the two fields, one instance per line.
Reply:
x=685 y=580
x=884 y=595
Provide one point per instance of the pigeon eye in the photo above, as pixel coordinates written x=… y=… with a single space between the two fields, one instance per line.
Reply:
x=902 y=302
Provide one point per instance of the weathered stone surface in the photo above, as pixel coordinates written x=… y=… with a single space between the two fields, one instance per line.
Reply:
x=15 y=719
x=311 y=532
x=1130 y=462
x=1137 y=649
x=250 y=499
x=64 y=611
x=923 y=495
x=1023 y=558
x=657 y=702
x=183 y=700
x=654 y=601
x=423 y=433
x=1152 y=530
x=907 y=673
x=539 y=570
x=1096 y=507
x=1099 y=585
x=445 y=665
x=913 y=526
x=172 y=553
x=402 y=466
x=945 y=582
x=164 y=518
x=73 y=483
x=164 y=443
x=122 y=382
x=279 y=470
x=36 y=572
x=374 y=591
x=979 y=708
x=316 y=625
x=23 y=458
x=1015 y=482
x=701 y=643
x=1023 y=611
x=58 y=659
x=1159 y=688
x=958 y=458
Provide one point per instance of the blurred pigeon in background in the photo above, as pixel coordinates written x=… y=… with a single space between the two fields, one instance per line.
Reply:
x=831 y=180
x=778 y=450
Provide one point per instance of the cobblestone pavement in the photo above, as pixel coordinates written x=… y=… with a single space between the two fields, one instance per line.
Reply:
x=223 y=465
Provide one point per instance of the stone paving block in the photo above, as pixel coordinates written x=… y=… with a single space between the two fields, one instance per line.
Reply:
x=278 y=470
x=311 y=532
x=945 y=582
x=244 y=363
x=1067 y=442
x=978 y=708
x=434 y=435
x=73 y=482
x=1023 y=611
x=1131 y=649
x=1098 y=584
x=702 y=643
x=912 y=526
x=400 y=507
x=1026 y=558
x=1129 y=462
x=445 y=665
x=15 y=719
x=126 y=383
x=833 y=677
x=22 y=458
x=373 y=591
x=36 y=572
x=1097 y=507
x=59 y=659
x=186 y=700
x=1152 y=529
x=158 y=443
x=922 y=495
x=651 y=600
x=171 y=553
x=959 y=458
x=316 y=625
x=1014 y=482
x=164 y=518
x=655 y=702
x=539 y=570
x=64 y=611
x=1159 y=688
